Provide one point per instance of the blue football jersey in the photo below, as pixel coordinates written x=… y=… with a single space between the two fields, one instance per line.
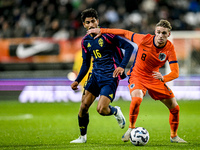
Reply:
x=107 y=55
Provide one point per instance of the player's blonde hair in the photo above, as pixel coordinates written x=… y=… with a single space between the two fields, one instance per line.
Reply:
x=164 y=23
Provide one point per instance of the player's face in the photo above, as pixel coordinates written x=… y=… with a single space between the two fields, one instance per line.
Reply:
x=161 y=36
x=90 y=23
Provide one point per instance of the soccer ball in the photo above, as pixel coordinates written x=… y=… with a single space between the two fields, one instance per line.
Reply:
x=139 y=136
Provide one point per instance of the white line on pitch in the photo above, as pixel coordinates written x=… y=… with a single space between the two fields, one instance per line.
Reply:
x=18 y=117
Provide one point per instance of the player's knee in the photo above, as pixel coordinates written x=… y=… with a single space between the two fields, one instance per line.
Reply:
x=84 y=107
x=137 y=93
x=175 y=110
x=101 y=110
x=136 y=101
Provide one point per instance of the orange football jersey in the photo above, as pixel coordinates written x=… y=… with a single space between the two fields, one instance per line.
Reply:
x=149 y=57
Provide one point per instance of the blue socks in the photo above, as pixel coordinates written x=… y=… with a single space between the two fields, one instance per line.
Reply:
x=113 y=110
x=83 y=123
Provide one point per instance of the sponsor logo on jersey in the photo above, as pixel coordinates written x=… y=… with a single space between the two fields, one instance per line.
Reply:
x=100 y=42
x=162 y=56
x=88 y=45
x=145 y=50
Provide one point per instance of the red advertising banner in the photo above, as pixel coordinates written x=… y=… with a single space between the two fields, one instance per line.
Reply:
x=38 y=50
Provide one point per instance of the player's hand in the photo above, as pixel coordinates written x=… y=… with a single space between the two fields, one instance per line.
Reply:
x=96 y=31
x=118 y=71
x=74 y=85
x=158 y=75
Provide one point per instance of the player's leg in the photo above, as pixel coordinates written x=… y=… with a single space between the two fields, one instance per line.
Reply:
x=160 y=91
x=137 y=92
x=173 y=107
x=136 y=96
x=107 y=92
x=83 y=116
x=105 y=109
x=90 y=93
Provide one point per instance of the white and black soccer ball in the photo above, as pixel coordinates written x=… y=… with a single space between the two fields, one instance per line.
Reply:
x=139 y=136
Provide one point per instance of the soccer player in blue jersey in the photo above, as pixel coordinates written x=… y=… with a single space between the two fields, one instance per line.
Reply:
x=108 y=68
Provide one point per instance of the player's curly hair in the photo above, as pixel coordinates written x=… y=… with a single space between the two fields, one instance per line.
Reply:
x=90 y=12
x=165 y=24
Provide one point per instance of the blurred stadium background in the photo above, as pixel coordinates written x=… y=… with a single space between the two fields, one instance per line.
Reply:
x=40 y=39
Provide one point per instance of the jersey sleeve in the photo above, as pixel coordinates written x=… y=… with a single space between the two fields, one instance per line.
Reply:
x=127 y=34
x=173 y=74
x=77 y=63
x=85 y=65
x=173 y=63
x=132 y=36
x=138 y=38
x=127 y=46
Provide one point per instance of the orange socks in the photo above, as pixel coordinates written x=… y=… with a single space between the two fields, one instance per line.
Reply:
x=134 y=111
x=173 y=116
x=174 y=120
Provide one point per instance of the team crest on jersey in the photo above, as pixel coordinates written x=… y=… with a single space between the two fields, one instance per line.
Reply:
x=162 y=56
x=132 y=86
x=100 y=42
x=88 y=45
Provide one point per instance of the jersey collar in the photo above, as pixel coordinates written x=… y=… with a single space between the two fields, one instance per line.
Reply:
x=155 y=44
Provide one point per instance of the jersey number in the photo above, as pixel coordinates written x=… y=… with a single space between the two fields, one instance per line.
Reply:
x=97 y=54
x=143 y=56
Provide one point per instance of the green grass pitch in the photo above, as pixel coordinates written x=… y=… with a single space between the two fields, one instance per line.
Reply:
x=54 y=125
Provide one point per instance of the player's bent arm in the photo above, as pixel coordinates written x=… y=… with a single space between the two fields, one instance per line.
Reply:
x=85 y=67
x=118 y=71
x=74 y=85
x=127 y=46
x=83 y=71
x=127 y=34
x=173 y=74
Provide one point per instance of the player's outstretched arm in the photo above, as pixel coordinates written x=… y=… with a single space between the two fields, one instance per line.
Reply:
x=96 y=31
x=121 y=32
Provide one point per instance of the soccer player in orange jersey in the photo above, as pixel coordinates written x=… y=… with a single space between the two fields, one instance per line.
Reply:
x=153 y=52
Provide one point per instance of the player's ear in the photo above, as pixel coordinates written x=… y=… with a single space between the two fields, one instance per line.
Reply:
x=84 y=24
x=169 y=33
x=97 y=22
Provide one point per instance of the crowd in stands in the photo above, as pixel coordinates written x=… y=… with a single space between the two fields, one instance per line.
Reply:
x=61 y=18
